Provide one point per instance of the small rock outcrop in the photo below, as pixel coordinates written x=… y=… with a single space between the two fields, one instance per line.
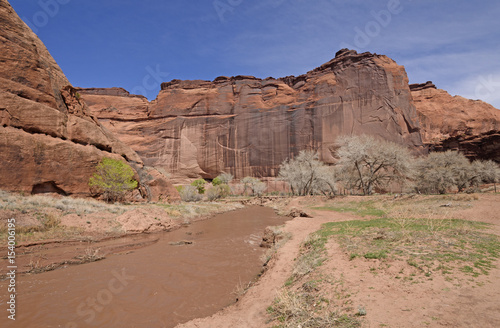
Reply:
x=271 y=237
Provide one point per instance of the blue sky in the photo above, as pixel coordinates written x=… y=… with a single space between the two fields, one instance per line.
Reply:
x=138 y=44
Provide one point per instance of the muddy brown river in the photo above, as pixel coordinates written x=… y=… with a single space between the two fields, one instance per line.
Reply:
x=157 y=286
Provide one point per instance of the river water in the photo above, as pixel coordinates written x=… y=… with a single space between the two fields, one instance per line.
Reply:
x=157 y=286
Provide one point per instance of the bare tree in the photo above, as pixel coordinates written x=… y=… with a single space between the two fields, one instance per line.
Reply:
x=439 y=172
x=256 y=186
x=301 y=173
x=327 y=181
x=367 y=163
x=307 y=175
x=486 y=172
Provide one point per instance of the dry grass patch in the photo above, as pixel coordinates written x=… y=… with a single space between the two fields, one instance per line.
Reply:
x=307 y=309
x=430 y=245
x=307 y=299
x=67 y=205
x=38 y=217
x=413 y=205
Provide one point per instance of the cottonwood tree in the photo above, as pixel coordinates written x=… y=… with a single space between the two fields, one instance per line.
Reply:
x=367 y=163
x=301 y=173
x=327 y=181
x=434 y=173
x=256 y=186
x=112 y=178
x=439 y=172
x=490 y=173
x=484 y=172
x=307 y=175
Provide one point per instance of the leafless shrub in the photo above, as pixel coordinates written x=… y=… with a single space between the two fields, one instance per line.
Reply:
x=190 y=194
x=255 y=186
x=217 y=192
x=91 y=254
x=225 y=178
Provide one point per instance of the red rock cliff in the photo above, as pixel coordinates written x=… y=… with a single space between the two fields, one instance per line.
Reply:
x=49 y=141
x=457 y=123
x=248 y=126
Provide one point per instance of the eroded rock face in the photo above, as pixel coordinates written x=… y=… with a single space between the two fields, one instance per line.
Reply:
x=457 y=123
x=49 y=140
x=247 y=126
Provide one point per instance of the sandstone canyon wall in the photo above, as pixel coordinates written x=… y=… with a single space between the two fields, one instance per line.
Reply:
x=247 y=126
x=49 y=140
x=457 y=123
x=52 y=135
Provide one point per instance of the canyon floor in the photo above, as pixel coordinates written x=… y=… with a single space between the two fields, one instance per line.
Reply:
x=325 y=280
x=378 y=261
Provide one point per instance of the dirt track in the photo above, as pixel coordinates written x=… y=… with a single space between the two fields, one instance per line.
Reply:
x=389 y=302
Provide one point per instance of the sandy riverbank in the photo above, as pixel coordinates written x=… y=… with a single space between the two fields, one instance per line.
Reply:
x=363 y=292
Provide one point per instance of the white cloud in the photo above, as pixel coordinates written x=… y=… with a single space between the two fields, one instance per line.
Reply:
x=484 y=86
x=474 y=75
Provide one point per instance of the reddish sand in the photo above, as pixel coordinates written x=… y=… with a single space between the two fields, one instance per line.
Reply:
x=389 y=302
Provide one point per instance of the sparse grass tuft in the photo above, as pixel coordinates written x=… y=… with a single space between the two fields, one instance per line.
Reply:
x=313 y=254
x=363 y=208
x=49 y=221
x=304 y=309
x=18 y=202
x=450 y=243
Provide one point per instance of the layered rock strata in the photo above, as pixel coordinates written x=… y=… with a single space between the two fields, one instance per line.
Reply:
x=457 y=123
x=49 y=140
x=248 y=126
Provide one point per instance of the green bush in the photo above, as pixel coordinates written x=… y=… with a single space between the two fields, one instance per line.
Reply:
x=200 y=185
x=113 y=178
x=217 y=181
